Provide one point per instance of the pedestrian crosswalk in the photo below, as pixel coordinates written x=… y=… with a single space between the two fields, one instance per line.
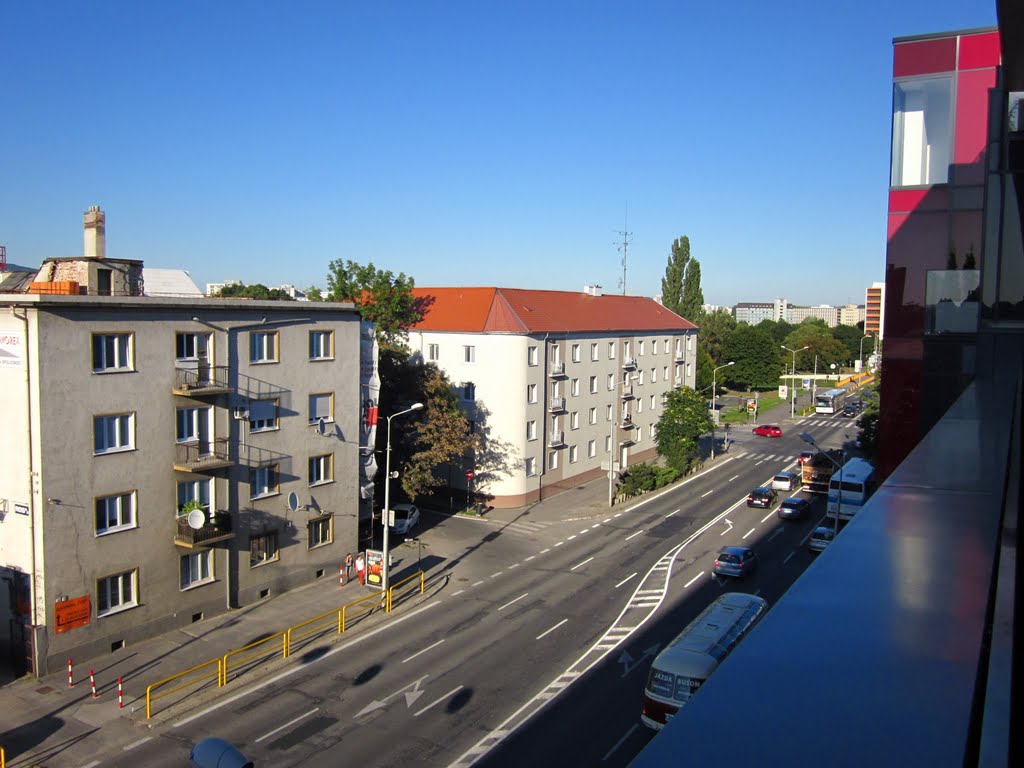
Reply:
x=821 y=422
x=781 y=458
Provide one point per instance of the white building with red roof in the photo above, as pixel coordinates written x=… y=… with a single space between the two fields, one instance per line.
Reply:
x=557 y=383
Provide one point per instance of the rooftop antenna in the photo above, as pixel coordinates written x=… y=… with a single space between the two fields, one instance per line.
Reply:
x=624 y=249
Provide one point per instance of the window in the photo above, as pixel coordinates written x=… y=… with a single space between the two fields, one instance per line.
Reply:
x=572 y=454
x=196 y=568
x=639 y=405
x=194 y=425
x=654 y=402
x=654 y=346
x=689 y=343
x=192 y=346
x=553 y=460
x=111 y=352
x=262 y=415
x=531 y=430
x=194 y=490
x=593 y=385
x=654 y=431
x=593 y=415
x=611 y=381
x=592 y=449
x=640 y=378
x=574 y=420
x=116 y=593
x=531 y=393
x=607 y=443
x=263 y=481
x=556 y=354
x=321 y=469
x=320 y=531
x=665 y=373
x=321 y=406
x=115 y=513
x=921 y=131
x=574 y=389
x=262 y=346
x=609 y=412
x=469 y=391
x=640 y=347
x=113 y=433
x=575 y=353
x=654 y=375
x=593 y=351
x=433 y=352
x=469 y=354
x=321 y=345
x=611 y=350
x=667 y=346
x=625 y=349
x=531 y=466
x=531 y=355
x=262 y=549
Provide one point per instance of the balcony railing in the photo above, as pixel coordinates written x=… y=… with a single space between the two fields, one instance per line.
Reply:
x=556 y=438
x=202 y=455
x=680 y=357
x=556 y=404
x=628 y=362
x=202 y=380
x=557 y=369
x=626 y=391
x=626 y=421
x=216 y=527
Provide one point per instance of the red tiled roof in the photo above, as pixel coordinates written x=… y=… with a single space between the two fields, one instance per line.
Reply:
x=514 y=310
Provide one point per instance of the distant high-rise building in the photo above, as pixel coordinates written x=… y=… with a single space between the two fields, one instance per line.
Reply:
x=823 y=311
x=874 y=310
x=753 y=312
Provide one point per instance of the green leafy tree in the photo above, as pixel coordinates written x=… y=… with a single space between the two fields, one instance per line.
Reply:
x=850 y=336
x=757 y=362
x=779 y=329
x=314 y=294
x=683 y=420
x=817 y=337
x=675 y=275
x=705 y=371
x=254 y=291
x=715 y=330
x=382 y=296
x=868 y=421
x=692 y=305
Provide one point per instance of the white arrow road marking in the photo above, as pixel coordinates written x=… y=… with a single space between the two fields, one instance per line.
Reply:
x=629 y=664
x=438 y=700
x=378 y=704
x=728 y=522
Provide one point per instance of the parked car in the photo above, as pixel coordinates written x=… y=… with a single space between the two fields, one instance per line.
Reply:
x=793 y=508
x=786 y=481
x=849 y=410
x=735 y=561
x=407 y=517
x=820 y=538
x=762 y=497
x=805 y=456
x=768 y=430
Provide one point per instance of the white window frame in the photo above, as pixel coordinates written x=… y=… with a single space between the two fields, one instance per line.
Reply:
x=433 y=352
x=654 y=346
x=320 y=469
x=531 y=356
x=320 y=532
x=531 y=393
x=195 y=569
x=611 y=350
x=668 y=347
x=593 y=415
x=611 y=381
x=552 y=460
x=594 y=352
x=639 y=405
x=263 y=347
x=654 y=402
x=575 y=353
x=113 y=433
x=609 y=412
x=607 y=443
x=640 y=377
x=531 y=429
x=654 y=375
x=264 y=481
x=188 y=424
x=117 y=592
x=468 y=392
x=593 y=385
x=591 y=449
x=574 y=420
x=640 y=348
x=201 y=490
x=118 y=512
x=573 y=454
x=468 y=353
x=321 y=345
x=267 y=552
x=187 y=345
x=574 y=388
x=531 y=466
x=113 y=352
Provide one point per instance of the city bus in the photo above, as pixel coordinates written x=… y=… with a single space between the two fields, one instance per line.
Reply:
x=678 y=672
x=830 y=401
x=849 y=488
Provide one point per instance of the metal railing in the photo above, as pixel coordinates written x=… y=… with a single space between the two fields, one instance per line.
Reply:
x=204 y=454
x=150 y=698
x=626 y=391
x=556 y=404
x=628 y=362
x=202 y=380
x=216 y=528
x=556 y=438
x=260 y=655
x=557 y=369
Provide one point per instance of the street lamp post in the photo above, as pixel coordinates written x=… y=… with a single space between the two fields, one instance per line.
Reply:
x=792 y=381
x=714 y=403
x=385 y=566
x=865 y=336
x=806 y=437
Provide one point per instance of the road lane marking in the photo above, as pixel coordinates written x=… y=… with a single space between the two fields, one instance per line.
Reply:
x=559 y=543
x=770 y=513
x=617 y=514
x=287 y=725
x=625 y=580
x=476 y=583
x=670 y=514
x=452 y=692
x=545 y=551
x=788 y=557
x=93 y=764
x=571 y=537
x=135 y=744
x=749 y=532
x=774 y=533
x=458 y=593
x=687 y=584
x=618 y=743
x=595 y=525
x=634 y=534
x=425 y=649
x=538 y=637
x=514 y=565
x=607 y=520
x=733 y=478
x=581 y=564
x=495 y=575
x=531 y=557
x=506 y=605
x=708 y=493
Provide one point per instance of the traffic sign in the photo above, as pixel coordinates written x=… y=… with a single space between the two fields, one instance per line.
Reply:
x=469 y=474
x=807 y=383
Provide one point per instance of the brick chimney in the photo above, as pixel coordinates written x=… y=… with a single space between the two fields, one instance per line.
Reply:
x=95 y=233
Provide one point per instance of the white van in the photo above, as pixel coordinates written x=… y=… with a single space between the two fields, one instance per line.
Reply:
x=786 y=481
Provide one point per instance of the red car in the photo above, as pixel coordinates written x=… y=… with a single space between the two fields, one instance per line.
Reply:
x=768 y=430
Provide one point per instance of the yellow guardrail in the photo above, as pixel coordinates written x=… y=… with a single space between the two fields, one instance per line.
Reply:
x=3 y=758
x=149 y=690
x=378 y=598
x=419 y=575
x=284 y=652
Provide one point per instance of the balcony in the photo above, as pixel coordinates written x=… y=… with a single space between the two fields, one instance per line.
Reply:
x=680 y=357
x=217 y=528
x=556 y=404
x=556 y=439
x=556 y=370
x=626 y=390
x=629 y=362
x=626 y=421
x=200 y=381
x=201 y=456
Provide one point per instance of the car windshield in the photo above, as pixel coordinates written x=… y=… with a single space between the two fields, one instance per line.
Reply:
x=401 y=514
x=791 y=503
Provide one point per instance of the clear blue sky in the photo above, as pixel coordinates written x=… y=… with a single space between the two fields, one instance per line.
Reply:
x=463 y=143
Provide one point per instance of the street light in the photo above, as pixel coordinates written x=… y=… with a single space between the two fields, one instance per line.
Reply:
x=806 y=437
x=792 y=381
x=385 y=568
x=714 y=403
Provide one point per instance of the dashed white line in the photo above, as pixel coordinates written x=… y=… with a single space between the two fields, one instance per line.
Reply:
x=542 y=634
x=670 y=514
x=625 y=580
x=514 y=565
x=578 y=565
x=506 y=605
x=438 y=700
x=426 y=649
x=693 y=579
x=788 y=557
x=559 y=543
x=749 y=532
x=607 y=520
x=135 y=744
x=619 y=742
x=733 y=478
x=458 y=593
x=531 y=557
x=634 y=534
x=476 y=583
x=617 y=514
x=93 y=764
x=287 y=725
x=571 y=537
x=770 y=513
x=595 y=525
x=545 y=551
x=495 y=575
x=585 y=530
x=708 y=493
x=775 y=533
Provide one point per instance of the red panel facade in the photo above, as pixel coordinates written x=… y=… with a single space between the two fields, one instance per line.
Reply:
x=924 y=57
x=977 y=51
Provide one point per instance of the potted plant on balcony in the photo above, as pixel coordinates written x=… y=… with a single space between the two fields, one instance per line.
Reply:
x=186 y=509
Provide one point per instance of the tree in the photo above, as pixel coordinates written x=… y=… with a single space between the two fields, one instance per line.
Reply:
x=683 y=420
x=692 y=305
x=868 y=421
x=715 y=330
x=705 y=370
x=383 y=297
x=675 y=274
x=314 y=294
x=255 y=291
x=779 y=329
x=817 y=337
x=755 y=354
x=850 y=336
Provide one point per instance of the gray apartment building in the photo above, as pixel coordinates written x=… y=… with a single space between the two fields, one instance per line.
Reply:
x=165 y=459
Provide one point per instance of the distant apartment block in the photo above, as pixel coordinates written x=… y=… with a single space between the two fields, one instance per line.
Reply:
x=874 y=310
x=822 y=312
x=556 y=383
x=174 y=456
x=754 y=312
x=851 y=314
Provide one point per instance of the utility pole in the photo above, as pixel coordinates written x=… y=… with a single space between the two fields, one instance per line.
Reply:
x=624 y=248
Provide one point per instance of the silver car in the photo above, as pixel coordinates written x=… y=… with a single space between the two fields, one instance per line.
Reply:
x=406 y=517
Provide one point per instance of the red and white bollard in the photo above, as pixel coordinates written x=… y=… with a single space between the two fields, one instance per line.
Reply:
x=120 y=695
x=92 y=683
x=71 y=681
x=341 y=575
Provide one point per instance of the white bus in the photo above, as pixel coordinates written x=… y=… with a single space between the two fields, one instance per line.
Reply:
x=829 y=401
x=849 y=488
x=680 y=670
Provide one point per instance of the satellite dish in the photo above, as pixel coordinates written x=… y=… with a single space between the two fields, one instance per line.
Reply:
x=293 y=501
x=196 y=519
x=321 y=426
